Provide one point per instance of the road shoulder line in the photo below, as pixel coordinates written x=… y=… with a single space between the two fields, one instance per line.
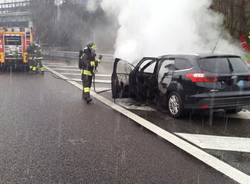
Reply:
x=212 y=142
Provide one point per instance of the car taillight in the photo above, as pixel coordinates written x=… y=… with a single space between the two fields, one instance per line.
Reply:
x=201 y=77
x=248 y=78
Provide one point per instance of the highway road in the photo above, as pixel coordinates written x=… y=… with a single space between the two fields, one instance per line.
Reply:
x=49 y=135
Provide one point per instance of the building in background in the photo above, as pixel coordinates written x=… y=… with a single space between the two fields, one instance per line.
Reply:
x=15 y=13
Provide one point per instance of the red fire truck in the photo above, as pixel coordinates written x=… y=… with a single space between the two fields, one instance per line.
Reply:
x=13 y=47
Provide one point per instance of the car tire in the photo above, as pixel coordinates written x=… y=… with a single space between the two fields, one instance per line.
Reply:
x=175 y=105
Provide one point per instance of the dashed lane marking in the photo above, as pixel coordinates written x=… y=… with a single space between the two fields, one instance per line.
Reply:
x=101 y=89
x=78 y=74
x=203 y=156
x=61 y=66
x=66 y=69
x=72 y=74
x=212 y=142
x=96 y=81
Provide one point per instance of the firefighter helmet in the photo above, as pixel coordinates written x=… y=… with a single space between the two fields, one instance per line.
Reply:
x=91 y=45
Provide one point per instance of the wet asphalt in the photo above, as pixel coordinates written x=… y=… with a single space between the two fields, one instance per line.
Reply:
x=49 y=135
x=200 y=123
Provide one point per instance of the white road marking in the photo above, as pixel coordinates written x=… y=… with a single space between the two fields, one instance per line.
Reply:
x=61 y=66
x=208 y=159
x=78 y=74
x=66 y=69
x=57 y=64
x=73 y=74
x=75 y=142
x=241 y=115
x=96 y=81
x=100 y=89
x=76 y=70
x=218 y=142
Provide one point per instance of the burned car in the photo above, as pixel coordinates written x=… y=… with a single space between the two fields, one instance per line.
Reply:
x=182 y=83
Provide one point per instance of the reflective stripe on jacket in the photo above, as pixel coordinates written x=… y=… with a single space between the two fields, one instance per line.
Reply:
x=86 y=72
x=86 y=90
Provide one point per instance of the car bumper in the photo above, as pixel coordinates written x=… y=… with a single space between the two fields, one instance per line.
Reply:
x=218 y=102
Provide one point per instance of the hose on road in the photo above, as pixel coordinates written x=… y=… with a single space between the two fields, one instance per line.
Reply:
x=98 y=92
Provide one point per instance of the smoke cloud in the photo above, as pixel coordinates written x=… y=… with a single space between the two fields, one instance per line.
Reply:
x=92 y=5
x=159 y=27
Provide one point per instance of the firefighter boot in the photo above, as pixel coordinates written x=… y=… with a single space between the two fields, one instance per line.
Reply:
x=89 y=100
x=34 y=69
x=42 y=69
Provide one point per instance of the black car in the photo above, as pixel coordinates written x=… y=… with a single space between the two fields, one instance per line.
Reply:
x=185 y=82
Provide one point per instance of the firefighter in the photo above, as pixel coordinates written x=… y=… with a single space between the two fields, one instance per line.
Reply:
x=87 y=65
x=31 y=55
x=35 y=57
x=38 y=58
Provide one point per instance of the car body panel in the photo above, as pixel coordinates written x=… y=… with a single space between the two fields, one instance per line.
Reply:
x=120 y=78
x=153 y=82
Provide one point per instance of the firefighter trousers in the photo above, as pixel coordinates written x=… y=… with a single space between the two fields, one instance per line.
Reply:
x=86 y=85
x=36 y=65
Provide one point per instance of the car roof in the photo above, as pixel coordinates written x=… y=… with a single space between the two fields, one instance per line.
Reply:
x=198 y=56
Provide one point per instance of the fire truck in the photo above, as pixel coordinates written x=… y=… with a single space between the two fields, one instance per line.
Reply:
x=13 y=47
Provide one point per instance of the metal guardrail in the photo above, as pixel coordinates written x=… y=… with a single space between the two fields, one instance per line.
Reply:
x=12 y=7
x=73 y=55
x=15 y=14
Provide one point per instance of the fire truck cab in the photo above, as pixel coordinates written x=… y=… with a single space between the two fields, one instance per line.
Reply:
x=13 y=47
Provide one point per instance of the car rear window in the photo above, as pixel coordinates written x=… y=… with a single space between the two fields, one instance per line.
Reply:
x=215 y=65
x=238 y=65
x=182 y=64
x=223 y=65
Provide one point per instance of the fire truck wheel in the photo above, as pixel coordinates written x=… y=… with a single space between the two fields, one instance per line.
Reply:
x=4 y=68
x=26 y=68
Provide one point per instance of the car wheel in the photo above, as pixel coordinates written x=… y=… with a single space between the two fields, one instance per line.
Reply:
x=175 y=105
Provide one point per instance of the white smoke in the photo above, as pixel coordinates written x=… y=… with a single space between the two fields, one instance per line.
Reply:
x=159 y=27
x=92 y=5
